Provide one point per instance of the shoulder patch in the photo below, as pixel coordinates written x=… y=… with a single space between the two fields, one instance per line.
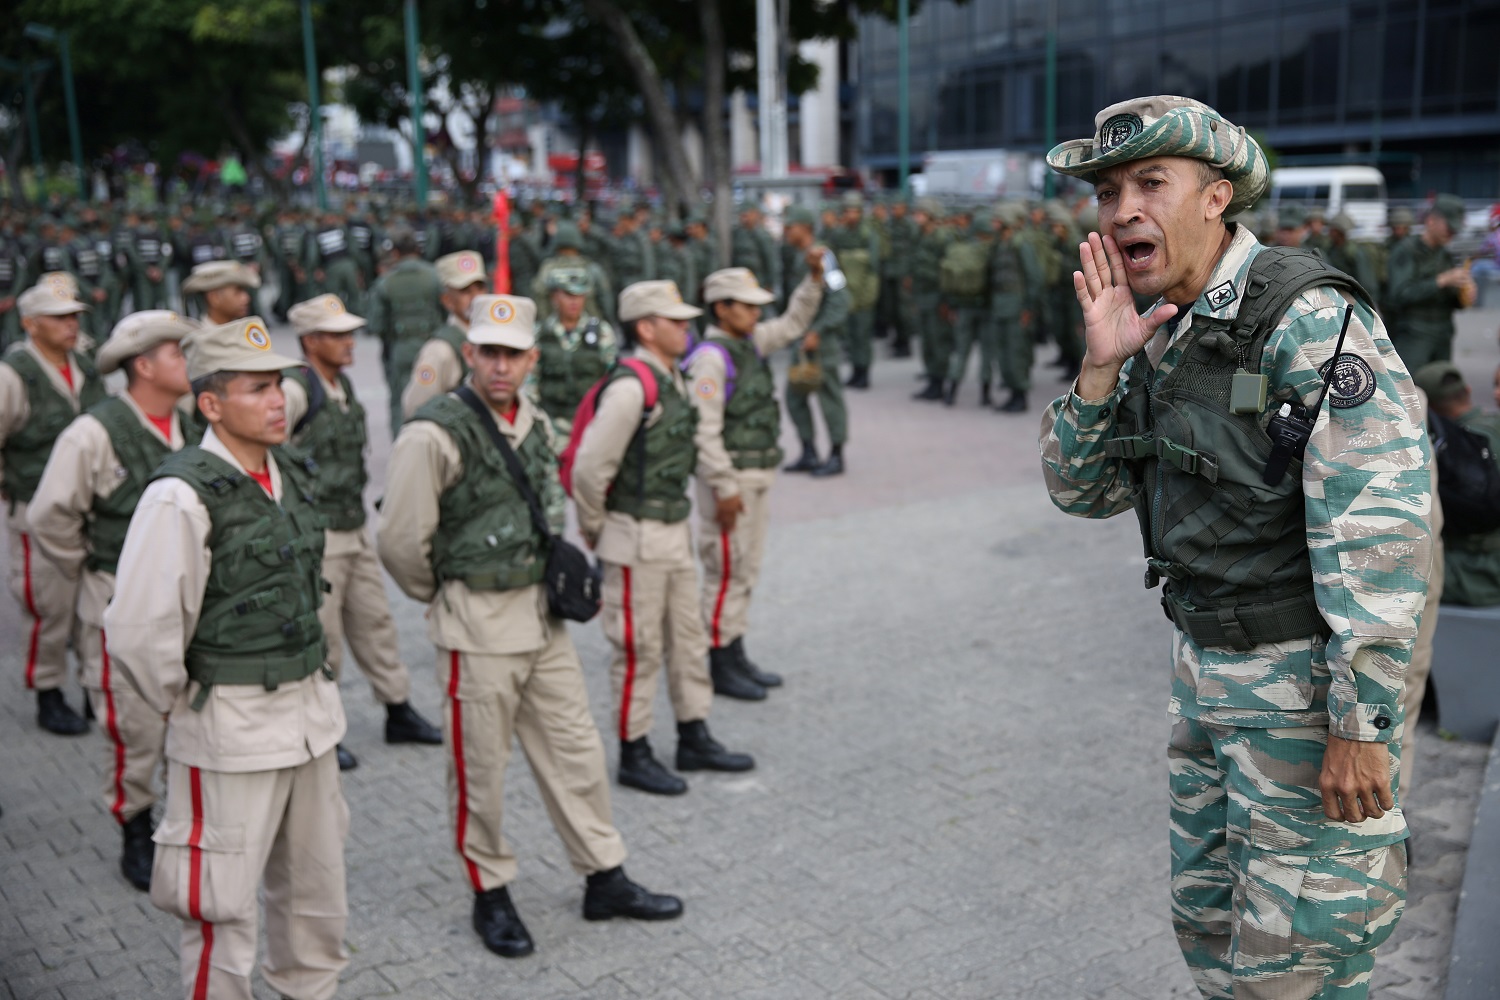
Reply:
x=1220 y=295
x=706 y=388
x=1353 y=382
x=426 y=375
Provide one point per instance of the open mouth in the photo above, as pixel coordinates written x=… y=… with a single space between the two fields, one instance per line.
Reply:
x=1139 y=253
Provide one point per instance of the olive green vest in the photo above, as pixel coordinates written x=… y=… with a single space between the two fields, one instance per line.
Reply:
x=411 y=289
x=1233 y=550
x=27 y=450
x=259 y=622
x=565 y=374
x=484 y=535
x=652 y=482
x=335 y=440
x=752 y=418
x=139 y=452
x=454 y=338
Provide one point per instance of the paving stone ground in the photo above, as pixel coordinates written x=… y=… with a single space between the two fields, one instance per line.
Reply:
x=960 y=793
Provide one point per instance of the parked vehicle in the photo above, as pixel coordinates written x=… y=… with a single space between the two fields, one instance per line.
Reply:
x=1357 y=191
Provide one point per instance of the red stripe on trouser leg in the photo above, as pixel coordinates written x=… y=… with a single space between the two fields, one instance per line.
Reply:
x=724 y=572
x=627 y=688
x=195 y=884
x=112 y=726
x=200 y=984
x=36 y=619
x=460 y=771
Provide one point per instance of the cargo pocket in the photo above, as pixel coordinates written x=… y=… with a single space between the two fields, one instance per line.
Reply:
x=1271 y=677
x=202 y=872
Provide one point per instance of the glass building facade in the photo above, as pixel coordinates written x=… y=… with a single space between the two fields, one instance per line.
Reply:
x=1410 y=85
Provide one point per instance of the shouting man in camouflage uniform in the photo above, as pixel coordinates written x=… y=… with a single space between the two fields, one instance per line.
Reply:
x=1289 y=515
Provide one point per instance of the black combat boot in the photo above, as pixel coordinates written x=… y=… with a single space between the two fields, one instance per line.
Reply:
x=809 y=460
x=729 y=679
x=984 y=394
x=901 y=348
x=1015 y=404
x=347 y=761
x=934 y=390
x=950 y=394
x=611 y=894
x=404 y=725
x=54 y=715
x=834 y=466
x=138 y=852
x=764 y=678
x=860 y=379
x=499 y=925
x=698 y=751
x=639 y=768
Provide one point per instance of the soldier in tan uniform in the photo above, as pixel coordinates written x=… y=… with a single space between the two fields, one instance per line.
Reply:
x=739 y=424
x=440 y=366
x=630 y=480
x=328 y=424
x=44 y=384
x=98 y=470
x=215 y=623
x=457 y=533
x=226 y=287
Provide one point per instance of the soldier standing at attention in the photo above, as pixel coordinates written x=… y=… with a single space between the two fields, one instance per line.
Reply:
x=507 y=665
x=630 y=482
x=1295 y=582
x=567 y=252
x=215 y=623
x=148 y=257
x=934 y=329
x=327 y=424
x=406 y=307
x=858 y=249
x=331 y=261
x=1014 y=272
x=896 y=283
x=752 y=247
x=225 y=286
x=574 y=348
x=1427 y=286
x=739 y=424
x=98 y=470
x=821 y=344
x=440 y=366
x=44 y=384
x=966 y=291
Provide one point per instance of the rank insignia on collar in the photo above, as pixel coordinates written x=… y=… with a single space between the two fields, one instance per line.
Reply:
x=1220 y=295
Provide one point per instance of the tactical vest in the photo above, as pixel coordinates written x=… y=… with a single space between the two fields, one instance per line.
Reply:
x=27 y=450
x=454 y=338
x=332 y=244
x=86 y=256
x=148 y=249
x=652 y=481
x=246 y=244
x=291 y=243
x=485 y=536
x=259 y=622
x=335 y=440
x=415 y=310
x=362 y=235
x=752 y=418
x=1232 y=549
x=201 y=250
x=1007 y=277
x=54 y=259
x=139 y=452
x=7 y=267
x=565 y=374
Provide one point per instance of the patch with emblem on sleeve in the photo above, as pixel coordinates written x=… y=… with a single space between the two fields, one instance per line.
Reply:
x=426 y=375
x=1353 y=382
x=707 y=388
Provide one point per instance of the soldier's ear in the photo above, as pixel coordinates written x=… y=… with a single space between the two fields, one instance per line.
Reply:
x=1220 y=193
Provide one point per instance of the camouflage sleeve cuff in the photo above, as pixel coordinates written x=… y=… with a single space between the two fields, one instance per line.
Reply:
x=1363 y=721
x=1090 y=412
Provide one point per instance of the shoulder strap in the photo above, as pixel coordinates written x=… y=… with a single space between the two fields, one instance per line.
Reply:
x=316 y=396
x=1278 y=277
x=731 y=373
x=512 y=462
x=649 y=385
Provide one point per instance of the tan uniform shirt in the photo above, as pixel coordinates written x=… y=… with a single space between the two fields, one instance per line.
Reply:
x=335 y=543
x=83 y=468
x=707 y=375
x=438 y=369
x=424 y=465
x=615 y=536
x=15 y=406
x=165 y=567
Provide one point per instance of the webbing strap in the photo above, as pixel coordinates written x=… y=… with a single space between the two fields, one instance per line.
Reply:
x=1245 y=626
x=267 y=671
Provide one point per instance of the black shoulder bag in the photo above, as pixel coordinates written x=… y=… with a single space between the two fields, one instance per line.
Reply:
x=573 y=582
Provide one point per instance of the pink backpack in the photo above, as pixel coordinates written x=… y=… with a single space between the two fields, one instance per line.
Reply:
x=584 y=415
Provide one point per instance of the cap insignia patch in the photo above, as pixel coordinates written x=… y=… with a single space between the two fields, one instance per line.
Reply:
x=257 y=337
x=1119 y=130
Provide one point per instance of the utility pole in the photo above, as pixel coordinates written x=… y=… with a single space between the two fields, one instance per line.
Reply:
x=314 y=103
x=1050 y=183
x=414 y=84
x=903 y=114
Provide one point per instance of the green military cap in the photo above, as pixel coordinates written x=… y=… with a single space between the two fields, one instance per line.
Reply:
x=852 y=199
x=1451 y=208
x=1441 y=380
x=1168 y=126
x=1342 y=222
x=1316 y=215
x=800 y=215
x=931 y=206
x=1291 y=217
x=567 y=236
x=746 y=206
x=241 y=346
x=1402 y=216
x=573 y=280
x=984 y=220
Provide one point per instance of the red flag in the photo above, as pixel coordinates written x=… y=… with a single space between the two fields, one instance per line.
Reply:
x=502 y=243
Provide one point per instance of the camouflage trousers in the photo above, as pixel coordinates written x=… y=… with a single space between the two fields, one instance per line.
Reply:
x=1270 y=900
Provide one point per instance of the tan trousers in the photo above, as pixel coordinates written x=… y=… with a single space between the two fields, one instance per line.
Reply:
x=1415 y=687
x=731 y=559
x=651 y=615
x=135 y=733
x=539 y=698
x=222 y=835
x=357 y=609
x=47 y=600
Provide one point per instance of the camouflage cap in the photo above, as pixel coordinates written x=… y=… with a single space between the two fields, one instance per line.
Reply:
x=1291 y=217
x=1168 y=126
x=241 y=346
x=138 y=333
x=567 y=237
x=1402 y=216
x=1342 y=223
x=799 y=215
x=573 y=280
x=324 y=314
x=852 y=199
x=1441 y=380
x=1451 y=208
x=460 y=270
x=930 y=206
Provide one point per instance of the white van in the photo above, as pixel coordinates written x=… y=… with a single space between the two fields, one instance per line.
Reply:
x=1357 y=191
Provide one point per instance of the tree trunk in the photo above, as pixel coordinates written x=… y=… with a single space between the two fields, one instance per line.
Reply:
x=673 y=159
x=715 y=136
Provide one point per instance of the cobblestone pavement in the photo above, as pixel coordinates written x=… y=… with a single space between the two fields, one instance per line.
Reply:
x=960 y=791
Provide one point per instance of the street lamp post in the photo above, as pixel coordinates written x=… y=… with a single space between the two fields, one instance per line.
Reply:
x=314 y=105
x=414 y=84
x=1051 y=125
x=903 y=113
x=43 y=33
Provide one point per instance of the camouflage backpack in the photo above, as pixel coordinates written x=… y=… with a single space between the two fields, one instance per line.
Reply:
x=864 y=283
x=964 y=268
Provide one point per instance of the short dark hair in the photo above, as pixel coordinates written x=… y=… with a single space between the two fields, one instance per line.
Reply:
x=128 y=367
x=1208 y=173
x=214 y=382
x=627 y=330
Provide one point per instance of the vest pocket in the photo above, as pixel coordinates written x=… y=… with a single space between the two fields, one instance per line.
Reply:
x=214 y=873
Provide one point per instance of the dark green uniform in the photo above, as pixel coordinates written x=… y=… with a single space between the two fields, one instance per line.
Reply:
x=830 y=321
x=1014 y=271
x=405 y=308
x=1418 y=312
x=1471 y=573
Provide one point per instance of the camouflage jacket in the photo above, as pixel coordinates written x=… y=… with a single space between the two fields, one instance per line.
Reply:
x=1366 y=477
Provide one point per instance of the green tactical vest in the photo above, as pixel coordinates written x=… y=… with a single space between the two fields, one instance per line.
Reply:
x=411 y=289
x=26 y=451
x=485 y=536
x=1233 y=550
x=652 y=482
x=335 y=440
x=454 y=338
x=565 y=374
x=139 y=452
x=752 y=418
x=259 y=623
